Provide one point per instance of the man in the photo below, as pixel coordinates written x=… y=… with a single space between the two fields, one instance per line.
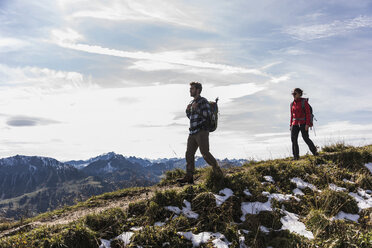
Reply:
x=199 y=112
x=300 y=121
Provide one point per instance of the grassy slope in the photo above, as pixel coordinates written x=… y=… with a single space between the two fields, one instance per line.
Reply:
x=315 y=209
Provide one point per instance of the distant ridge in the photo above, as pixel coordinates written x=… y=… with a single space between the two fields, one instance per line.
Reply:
x=34 y=184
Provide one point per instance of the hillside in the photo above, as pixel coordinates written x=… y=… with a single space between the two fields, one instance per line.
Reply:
x=30 y=185
x=323 y=201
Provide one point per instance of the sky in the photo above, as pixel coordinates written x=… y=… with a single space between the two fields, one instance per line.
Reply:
x=80 y=78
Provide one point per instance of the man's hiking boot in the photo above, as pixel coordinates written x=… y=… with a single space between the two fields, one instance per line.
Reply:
x=295 y=158
x=186 y=180
x=316 y=153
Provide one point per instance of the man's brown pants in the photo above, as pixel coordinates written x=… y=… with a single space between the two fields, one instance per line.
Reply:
x=201 y=140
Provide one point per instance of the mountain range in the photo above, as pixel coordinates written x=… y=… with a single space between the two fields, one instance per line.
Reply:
x=32 y=184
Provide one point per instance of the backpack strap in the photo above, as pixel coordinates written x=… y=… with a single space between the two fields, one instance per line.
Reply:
x=303 y=105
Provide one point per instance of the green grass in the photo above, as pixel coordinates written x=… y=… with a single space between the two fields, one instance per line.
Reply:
x=316 y=209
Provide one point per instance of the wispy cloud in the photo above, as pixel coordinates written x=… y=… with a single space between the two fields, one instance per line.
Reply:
x=338 y=27
x=27 y=121
x=164 y=11
x=185 y=58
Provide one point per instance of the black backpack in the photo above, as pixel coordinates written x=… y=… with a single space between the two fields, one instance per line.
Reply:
x=213 y=120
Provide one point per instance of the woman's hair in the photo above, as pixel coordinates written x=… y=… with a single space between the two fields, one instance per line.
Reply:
x=197 y=85
x=298 y=90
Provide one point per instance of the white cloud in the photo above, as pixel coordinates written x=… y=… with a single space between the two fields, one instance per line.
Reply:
x=318 y=31
x=66 y=35
x=12 y=44
x=281 y=78
x=228 y=92
x=44 y=79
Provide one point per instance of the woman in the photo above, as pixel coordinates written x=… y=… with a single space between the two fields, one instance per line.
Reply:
x=300 y=121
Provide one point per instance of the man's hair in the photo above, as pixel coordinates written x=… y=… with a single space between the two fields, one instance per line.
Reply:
x=197 y=85
x=298 y=90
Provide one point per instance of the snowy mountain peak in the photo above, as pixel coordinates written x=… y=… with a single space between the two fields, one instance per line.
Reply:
x=34 y=161
x=83 y=163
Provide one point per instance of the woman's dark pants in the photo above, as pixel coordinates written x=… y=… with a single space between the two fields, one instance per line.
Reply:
x=305 y=135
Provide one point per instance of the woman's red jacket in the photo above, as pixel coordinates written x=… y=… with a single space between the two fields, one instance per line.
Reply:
x=298 y=115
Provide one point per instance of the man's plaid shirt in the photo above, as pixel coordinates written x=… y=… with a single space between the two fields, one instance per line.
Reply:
x=199 y=116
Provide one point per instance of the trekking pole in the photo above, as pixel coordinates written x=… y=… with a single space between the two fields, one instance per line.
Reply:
x=314 y=127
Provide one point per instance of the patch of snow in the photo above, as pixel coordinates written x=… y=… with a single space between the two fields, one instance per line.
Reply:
x=105 y=243
x=108 y=168
x=265 y=193
x=342 y=216
x=219 y=243
x=297 y=191
x=257 y=207
x=125 y=237
x=254 y=208
x=369 y=167
x=242 y=242
x=247 y=193
x=166 y=243
x=226 y=193
x=269 y=179
x=159 y=223
x=281 y=197
x=196 y=239
x=264 y=229
x=186 y=210
x=364 y=193
x=135 y=229
x=173 y=209
x=347 y=181
x=362 y=203
x=302 y=184
x=219 y=239
x=290 y=222
x=245 y=231
x=334 y=187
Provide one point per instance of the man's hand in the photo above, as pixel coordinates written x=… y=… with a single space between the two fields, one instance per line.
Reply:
x=194 y=106
x=306 y=127
x=188 y=107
